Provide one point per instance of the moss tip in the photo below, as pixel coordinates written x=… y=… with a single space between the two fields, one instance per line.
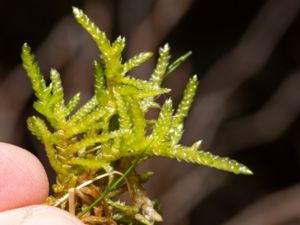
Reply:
x=246 y=171
x=76 y=11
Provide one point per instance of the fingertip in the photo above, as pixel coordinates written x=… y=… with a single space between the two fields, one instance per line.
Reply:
x=36 y=215
x=23 y=180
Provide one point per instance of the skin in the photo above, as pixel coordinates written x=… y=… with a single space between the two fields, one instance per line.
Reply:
x=23 y=187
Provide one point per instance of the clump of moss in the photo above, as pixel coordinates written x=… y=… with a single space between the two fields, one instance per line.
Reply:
x=94 y=149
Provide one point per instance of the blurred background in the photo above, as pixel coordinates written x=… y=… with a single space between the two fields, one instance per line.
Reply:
x=247 y=56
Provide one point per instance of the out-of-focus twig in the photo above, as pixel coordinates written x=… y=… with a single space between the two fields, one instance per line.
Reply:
x=155 y=27
x=238 y=65
x=276 y=209
x=269 y=122
x=202 y=182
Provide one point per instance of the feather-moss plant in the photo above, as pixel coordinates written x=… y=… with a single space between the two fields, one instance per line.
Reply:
x=84 y=145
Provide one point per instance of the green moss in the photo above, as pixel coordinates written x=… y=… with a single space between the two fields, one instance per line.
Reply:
x=112 y=125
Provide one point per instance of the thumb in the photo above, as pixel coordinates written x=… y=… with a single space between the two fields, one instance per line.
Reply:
x=23 y=180
x=37 y=215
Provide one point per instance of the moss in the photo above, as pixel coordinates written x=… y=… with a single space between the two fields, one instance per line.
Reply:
x=86 y=143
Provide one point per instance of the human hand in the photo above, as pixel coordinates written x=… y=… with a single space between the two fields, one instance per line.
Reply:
x=23 y=186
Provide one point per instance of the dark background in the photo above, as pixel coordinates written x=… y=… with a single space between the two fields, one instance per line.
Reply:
x=246 y=54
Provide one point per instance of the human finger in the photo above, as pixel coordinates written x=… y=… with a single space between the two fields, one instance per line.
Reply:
x=23 y=180
x=37 y=215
